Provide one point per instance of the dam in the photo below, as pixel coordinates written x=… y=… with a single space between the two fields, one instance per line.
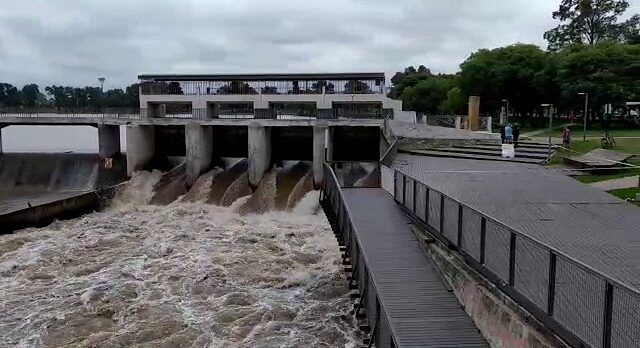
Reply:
x=295 y=210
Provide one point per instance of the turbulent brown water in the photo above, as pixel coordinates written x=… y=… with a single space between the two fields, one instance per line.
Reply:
x=181 y=275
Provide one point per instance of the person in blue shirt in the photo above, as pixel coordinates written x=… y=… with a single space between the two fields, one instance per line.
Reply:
x=508 y=134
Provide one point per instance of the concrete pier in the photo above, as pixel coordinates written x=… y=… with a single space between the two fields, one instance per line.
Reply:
x=319 y=146
x=140 y=147
x=474 y=113
x=108 y=140
x=199 y=148
x=1 y=140
x=259 y=139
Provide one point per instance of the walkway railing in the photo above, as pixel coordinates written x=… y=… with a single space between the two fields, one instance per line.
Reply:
x=584 y=306
x=360 y=277
x=133 y=113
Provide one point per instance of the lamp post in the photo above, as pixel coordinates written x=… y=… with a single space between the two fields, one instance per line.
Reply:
x=506 y=111
x=550 y=111
x=586 y=109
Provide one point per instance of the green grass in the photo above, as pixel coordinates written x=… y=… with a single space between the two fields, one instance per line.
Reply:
x=591 y=178
x=628 y=193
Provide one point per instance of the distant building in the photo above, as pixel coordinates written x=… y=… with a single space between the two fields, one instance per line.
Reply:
x=267 y=96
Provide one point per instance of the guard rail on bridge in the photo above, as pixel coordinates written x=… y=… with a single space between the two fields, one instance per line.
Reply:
x=585 y=307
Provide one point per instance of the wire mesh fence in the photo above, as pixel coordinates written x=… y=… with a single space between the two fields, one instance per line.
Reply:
x=586 y=306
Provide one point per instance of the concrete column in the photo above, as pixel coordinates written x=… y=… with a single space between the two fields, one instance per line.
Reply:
x=141 y=146
x=259 y=152
x=199 y=144
x=489 y=125
x=458 y=122
x=328 y=140
x=474 y=113
x=108 y=140
x=319 y=146
x=1 y=140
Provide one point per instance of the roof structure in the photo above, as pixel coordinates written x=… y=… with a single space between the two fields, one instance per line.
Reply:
x=262 y=77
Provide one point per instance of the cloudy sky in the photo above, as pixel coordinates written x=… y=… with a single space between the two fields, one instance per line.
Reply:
x=74 y=42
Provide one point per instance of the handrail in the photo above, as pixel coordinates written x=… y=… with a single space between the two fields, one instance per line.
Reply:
x=611 y=286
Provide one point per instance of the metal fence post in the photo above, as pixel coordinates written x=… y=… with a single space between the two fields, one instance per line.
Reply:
x=512 y=259
x=426 y=203
x=608 y=314
x=395 y=185
x=551 y=291
x=414 y=194
x=404 y=190
x=483 y=238
x=441 y=213
x=460 y=226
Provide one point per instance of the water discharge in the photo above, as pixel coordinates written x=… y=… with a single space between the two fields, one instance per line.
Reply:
x=186 y=274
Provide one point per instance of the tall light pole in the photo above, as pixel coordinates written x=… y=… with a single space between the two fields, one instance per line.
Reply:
x=549 y=109
x=506 y=111
x=586 y=109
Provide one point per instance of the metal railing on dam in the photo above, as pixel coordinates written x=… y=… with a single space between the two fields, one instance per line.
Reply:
x=585 y=307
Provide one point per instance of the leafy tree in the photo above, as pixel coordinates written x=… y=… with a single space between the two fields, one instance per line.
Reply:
x=316 y=87
x=30 y=95
x=455 y=102
x=409 y=78
x=590 y=22
x=132 y=95
x=9 y=95
x=428 y=95
x=521 y=73
x=607 y=71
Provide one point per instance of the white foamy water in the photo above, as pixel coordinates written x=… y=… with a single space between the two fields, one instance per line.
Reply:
x=182 y=275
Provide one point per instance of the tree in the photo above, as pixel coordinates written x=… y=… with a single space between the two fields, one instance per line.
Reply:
x=590 y=22
x=409 y=78
x=607 y=71
x=454 y=103
x=428 y=95
x=30 y=95
x=9 y=95
x=521 y=73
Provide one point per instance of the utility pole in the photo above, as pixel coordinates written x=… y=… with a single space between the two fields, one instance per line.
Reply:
x=586 y=109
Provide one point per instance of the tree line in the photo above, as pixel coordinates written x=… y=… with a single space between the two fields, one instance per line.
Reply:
x=65 y=97
x=589 y=52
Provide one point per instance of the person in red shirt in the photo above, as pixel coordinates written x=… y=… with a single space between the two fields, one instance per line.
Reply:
x=571 y=117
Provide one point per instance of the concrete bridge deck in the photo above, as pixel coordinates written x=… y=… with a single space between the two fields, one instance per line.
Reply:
x=418 y=309
x=88 y=120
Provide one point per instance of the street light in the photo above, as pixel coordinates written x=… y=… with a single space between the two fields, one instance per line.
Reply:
x=586 y=108
x=506 y=111
x=550 y=106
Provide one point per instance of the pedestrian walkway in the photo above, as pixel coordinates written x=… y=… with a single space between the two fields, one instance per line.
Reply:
x=615 y=184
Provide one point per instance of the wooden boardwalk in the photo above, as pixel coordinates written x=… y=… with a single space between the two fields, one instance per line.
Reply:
x=417 y=309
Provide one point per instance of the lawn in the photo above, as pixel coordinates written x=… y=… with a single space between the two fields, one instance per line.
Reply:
x=628 y=193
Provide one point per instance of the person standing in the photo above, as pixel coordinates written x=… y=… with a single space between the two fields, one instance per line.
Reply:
x=508 y=134
x=566 y=137
x=571 y=118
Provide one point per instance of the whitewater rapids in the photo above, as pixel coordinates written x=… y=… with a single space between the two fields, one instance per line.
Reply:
x=182 y=275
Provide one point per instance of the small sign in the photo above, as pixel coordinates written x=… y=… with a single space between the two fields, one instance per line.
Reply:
x=108 y=163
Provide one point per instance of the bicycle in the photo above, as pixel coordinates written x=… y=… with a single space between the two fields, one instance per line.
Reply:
x=607 y=140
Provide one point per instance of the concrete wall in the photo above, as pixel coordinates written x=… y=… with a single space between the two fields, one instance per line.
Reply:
x=319 y=146
x=67 y=208
x=199 y=143
x=259 y=139
x=108 y=140
x=502 y=322
x=140 y=147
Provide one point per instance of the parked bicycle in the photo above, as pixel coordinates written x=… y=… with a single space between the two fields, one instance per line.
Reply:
x=607 y=140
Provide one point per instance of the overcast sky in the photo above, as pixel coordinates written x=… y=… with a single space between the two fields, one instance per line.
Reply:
x=74 y=42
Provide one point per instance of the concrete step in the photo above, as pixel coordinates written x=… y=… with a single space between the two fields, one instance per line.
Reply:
x=436 y=153
x=519 y=149
x=493 y=152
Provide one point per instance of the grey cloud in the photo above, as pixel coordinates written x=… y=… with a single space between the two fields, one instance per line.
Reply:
x=74 y=42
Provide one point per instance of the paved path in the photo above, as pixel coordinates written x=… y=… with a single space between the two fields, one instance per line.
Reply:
x=620 y=183
x=545 y=131
x=416 y=308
